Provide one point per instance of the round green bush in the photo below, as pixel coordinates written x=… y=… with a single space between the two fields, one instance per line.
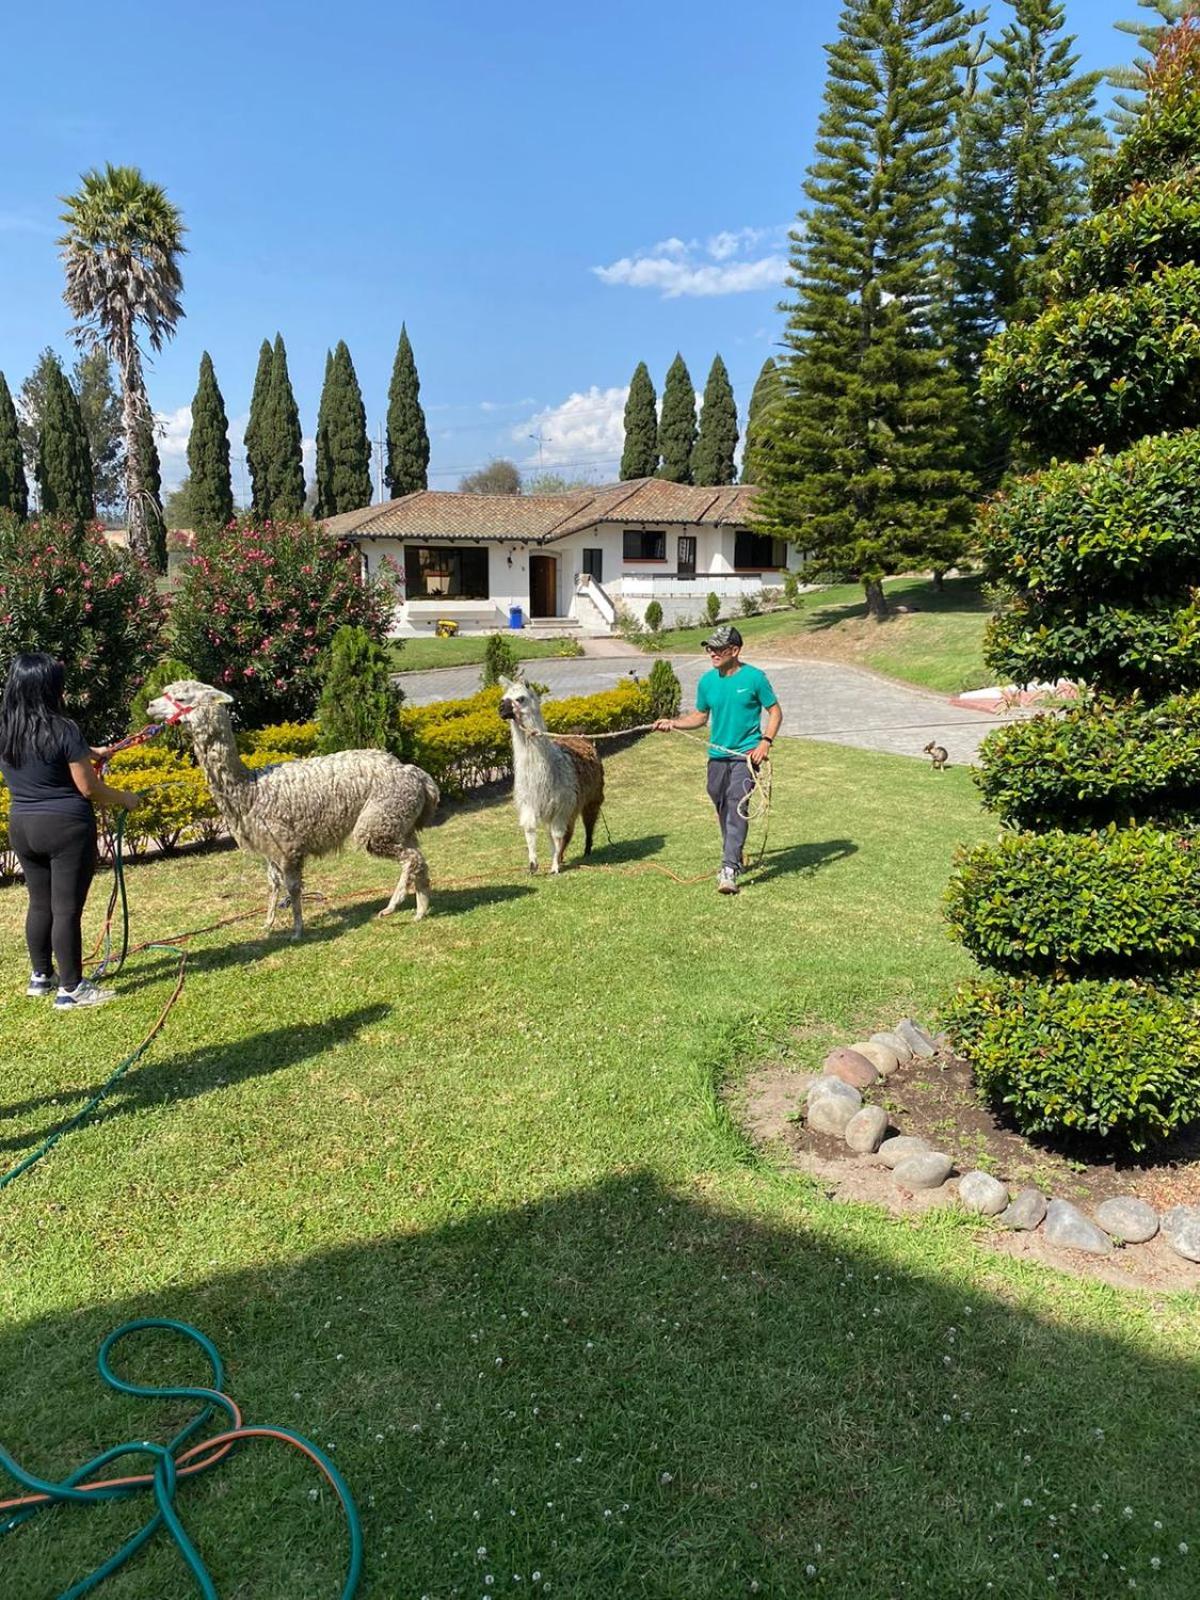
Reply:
x=666 y=691
x=654 y=616
x=499 y=661
x=1116 y=1063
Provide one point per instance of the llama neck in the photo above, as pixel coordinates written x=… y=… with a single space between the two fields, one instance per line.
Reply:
x=531 y=747
x=217 y=753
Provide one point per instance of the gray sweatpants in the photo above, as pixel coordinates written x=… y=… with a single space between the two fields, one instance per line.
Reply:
x=729 y=782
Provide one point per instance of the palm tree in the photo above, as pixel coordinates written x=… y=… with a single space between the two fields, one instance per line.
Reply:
x=121 y=256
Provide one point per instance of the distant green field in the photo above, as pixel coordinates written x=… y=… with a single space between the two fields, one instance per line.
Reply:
x=418 y=655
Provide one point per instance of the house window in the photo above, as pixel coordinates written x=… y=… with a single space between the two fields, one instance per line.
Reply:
x=757 y=551
x=445 y=572
x=593 y=565
x=642 y=545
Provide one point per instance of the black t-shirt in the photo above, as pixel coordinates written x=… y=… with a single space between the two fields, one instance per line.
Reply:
x=46 y=784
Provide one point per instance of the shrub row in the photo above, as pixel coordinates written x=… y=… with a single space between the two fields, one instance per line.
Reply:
x=1117 y=1061
x=1112 y=903
x=1098 y=763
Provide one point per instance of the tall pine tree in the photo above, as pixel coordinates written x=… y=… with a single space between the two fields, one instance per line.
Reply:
x=343 y=449
x=866 y=463
x=14 y=490
x=283 y=442
x=677 y=427
x=210 y=486
x=1149 y=36
x=64 y=465
x=100 y=405
x=150 y=477
x=712 y=459
x=768 y=391
x=1028 y=139
x=639 y=459
x=407 y=437
x=255 y=435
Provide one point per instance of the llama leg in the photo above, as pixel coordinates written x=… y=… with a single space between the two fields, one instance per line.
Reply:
x=420 y=884
x=400 y=892
x=591 y=813
x=274 y=883
x=293 y=882
x=531 y=844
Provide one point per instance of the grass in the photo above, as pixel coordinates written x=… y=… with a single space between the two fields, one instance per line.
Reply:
x=467 y=650
x=461 y=1201
x=939 y=645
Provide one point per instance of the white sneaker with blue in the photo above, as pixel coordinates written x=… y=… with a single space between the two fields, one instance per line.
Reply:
x=727 y=881
x=41 y=984
x=85 y=993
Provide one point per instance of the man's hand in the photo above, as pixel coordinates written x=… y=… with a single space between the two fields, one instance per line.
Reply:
x=761 y=752
x=664 y=725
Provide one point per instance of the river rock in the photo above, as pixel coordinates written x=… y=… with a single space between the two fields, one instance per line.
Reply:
x=1132 y=1221
x=928 y=1171
x=1068 y=1229
x=833 y=1086
x=881 y=1056
x=830 y=1113
x=866 y=1128
x=915 y=1037
x=1181 y=1230
x=1025 y=1212
x=893 y=1041
x=851 y=1068
x=893 y=1151
x=983 y=1194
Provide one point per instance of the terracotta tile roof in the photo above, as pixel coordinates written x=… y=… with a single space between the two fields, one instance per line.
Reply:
x=540 y=519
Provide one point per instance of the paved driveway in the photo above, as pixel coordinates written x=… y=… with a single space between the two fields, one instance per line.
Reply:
x=821 y=700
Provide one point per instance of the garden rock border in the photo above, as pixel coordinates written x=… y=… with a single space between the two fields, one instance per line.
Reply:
x=836 y=1107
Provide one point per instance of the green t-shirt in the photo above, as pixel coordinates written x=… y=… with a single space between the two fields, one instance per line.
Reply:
x=735 y=703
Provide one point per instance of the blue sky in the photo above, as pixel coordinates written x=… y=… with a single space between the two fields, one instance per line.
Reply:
x=546 y=195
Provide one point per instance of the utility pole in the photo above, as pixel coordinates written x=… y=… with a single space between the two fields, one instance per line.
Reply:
x=539 y=439
x=379 y=461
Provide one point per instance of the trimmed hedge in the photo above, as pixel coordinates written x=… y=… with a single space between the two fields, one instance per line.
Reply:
x=1115 y=1061
x=1146 y=649
x=1152 y=228
x=1096 y=764
x=1112 y=904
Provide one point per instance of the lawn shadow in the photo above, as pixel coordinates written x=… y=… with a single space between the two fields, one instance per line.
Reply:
x=623 y=1391
x=958 y=595
x=196 y=1072
x=614 y=851
x=795 y=858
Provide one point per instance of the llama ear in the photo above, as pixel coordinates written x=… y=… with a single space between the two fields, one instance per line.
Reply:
x=505 y=683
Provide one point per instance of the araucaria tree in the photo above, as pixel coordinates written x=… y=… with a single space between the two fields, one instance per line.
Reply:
x=210 y=487
x=677 y=426
x=1086 y=911
x=639 y=459
x=407 y=437
x=121 y=254
x=64 y=464
x=255 y=437
x=712 y=459
x=343 y=450
x=14 y=489
x=866 y=465
x=766 y=395
x=282 y=441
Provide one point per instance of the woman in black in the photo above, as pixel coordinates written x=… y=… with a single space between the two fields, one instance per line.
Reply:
x=47 y=765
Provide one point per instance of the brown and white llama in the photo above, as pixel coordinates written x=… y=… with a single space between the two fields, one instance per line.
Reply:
x=557 y=778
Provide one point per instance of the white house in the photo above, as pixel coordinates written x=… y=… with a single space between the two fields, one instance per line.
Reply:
x=562 y=562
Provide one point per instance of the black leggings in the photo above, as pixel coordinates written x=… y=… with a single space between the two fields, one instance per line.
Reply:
x=57 y=853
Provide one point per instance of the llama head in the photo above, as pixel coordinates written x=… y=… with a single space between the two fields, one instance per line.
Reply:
x=520 y=704
x=185 y=693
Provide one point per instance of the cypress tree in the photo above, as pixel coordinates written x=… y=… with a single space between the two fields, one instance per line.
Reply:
x=359 y=708
x=255 y=435
x=64 y=466
x=100 y=406
x=343 y=449
x=210 y=486
x=283 y=443
x=14 y=491
x=150 y=477
x=639 y=459
x=768 y=391
x=677 y=429
x=866 y=463
x=407 y=438
x=712 y=459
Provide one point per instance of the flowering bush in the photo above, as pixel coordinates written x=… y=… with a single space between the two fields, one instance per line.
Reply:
x=258 y=606
x=67 y=591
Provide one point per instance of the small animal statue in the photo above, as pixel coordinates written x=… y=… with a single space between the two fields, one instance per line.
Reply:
x=556 y=778
x=938 y=754
x=309 y=807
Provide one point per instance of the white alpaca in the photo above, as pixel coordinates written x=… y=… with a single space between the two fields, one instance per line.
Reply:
x=556 y=778
x=309 y=807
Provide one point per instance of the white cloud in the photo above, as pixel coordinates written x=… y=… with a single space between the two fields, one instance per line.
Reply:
x=506 y=405
x=735 y=264
x=585 y=432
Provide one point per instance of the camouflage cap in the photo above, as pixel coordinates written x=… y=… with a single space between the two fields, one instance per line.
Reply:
x=722 y=638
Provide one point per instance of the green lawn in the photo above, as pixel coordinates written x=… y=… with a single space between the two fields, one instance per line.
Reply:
x=465 y=650
x=461 y=1201
x=938 y=645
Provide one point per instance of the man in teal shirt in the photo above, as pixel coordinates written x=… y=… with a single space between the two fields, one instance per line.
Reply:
x=734 y=695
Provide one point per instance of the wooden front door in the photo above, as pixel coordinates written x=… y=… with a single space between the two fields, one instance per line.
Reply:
x=686 y=563
x=543 y=586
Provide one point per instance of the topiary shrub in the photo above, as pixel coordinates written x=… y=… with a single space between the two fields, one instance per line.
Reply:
x=359 y=708
x=666 y=691
x=654 y=616
x=257 y=608
x=712 y=607
x=499 y=660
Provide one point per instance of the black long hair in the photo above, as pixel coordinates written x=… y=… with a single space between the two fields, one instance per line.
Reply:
x=32 y=721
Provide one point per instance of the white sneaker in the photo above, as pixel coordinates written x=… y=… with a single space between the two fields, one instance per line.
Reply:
x=727 y=881
x=41 y=985
x=85 y=993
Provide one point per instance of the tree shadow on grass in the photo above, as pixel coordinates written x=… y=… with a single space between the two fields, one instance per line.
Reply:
x=196 y=1072
x=630 y=1393
x=963 y=596
x=613 y=851
x=797 y=858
